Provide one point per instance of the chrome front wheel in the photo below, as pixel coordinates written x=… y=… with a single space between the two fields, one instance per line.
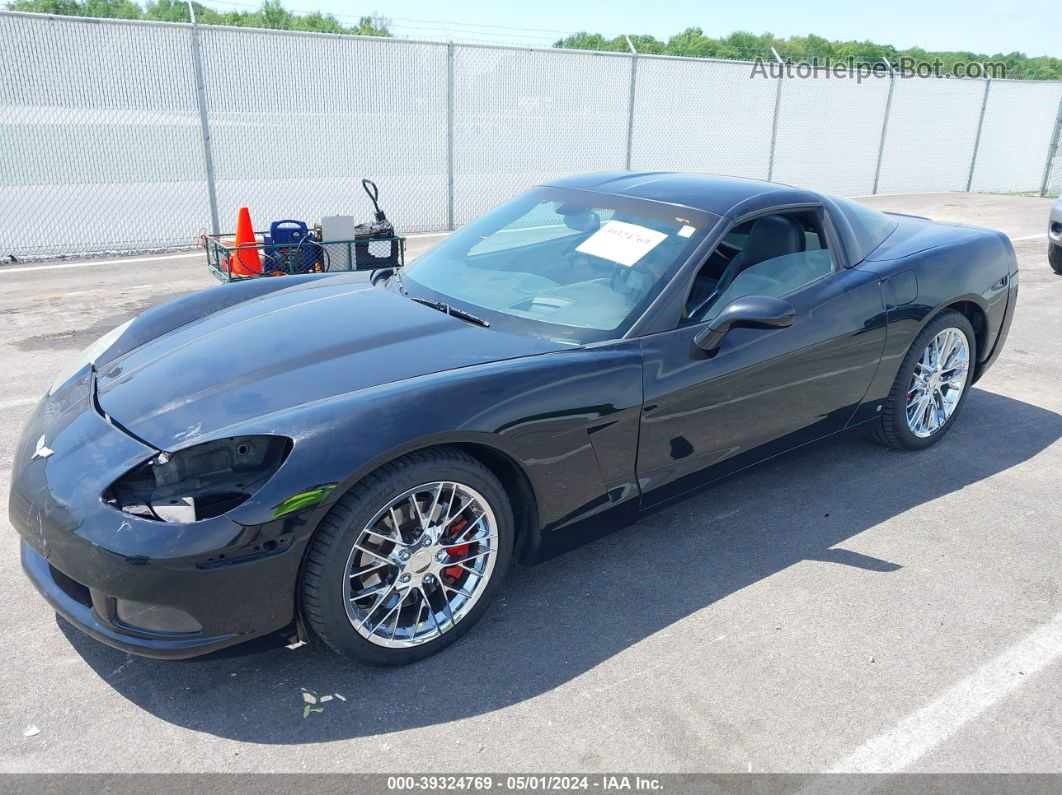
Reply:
x=939 y=379
x=409 y=558
x=420 y=564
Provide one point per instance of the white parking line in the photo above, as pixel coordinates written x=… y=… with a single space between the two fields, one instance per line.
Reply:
x=127 y=261
x=922 y=730
x=10 y=404
x=1028 y=237
x=137 y=260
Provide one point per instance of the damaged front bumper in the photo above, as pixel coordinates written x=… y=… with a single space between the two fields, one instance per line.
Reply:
x=159 y=589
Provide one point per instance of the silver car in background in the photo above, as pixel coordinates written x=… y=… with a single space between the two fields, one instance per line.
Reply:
x=1054 y=237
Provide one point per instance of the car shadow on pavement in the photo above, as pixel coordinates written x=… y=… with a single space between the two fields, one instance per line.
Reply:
x=557 y=620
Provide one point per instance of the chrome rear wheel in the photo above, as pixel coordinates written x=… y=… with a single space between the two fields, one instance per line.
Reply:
x=932 y=383
x=939 y=379
x=420 y=564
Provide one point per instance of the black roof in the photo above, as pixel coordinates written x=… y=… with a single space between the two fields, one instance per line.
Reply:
x=860 y=228
x=711 y=194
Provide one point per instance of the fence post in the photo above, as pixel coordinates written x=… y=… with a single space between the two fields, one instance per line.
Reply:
x=884 y=127
x=450 y=134
x=204 y=124
x=777 y=108
x=630 y=102
x=1052 y=149
x=977 y=140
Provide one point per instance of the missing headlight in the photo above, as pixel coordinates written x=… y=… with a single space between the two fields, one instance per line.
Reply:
x=200 y=482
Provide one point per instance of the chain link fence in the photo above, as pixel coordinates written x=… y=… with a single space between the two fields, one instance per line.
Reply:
x=127 y=135
x=100 y=141
x=830 y=133
x=1053 y=172
x=524 y=116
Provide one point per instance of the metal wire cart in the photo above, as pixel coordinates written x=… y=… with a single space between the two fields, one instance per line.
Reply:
x=229 y=262
x=290 y=247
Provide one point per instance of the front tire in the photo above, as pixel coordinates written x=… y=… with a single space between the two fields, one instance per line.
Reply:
x=408 y=560
x=931 y=385
x=1054 y=256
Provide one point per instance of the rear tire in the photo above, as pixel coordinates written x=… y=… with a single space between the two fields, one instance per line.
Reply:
x=1054 y=256
x=426 y=568
x=923 y=405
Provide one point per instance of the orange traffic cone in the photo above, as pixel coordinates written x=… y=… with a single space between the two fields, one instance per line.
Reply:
x=245 y=262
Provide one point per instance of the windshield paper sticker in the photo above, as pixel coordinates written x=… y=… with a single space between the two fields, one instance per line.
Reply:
x=621 y=242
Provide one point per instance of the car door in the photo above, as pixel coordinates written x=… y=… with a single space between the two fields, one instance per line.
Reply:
x=763 y=390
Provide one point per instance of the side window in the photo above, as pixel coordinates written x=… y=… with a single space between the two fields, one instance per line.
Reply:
x=772 y=255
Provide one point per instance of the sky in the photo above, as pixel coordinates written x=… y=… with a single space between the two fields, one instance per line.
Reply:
x=1029 y=26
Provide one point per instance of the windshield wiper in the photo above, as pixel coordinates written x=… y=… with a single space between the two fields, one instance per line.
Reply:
x=454 y=311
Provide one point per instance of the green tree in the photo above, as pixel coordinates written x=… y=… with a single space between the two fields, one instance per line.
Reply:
x=271 y=14
x=372 y=26
x=175 y=11
x=741 y=45
x=112 y=9
x=591 y=41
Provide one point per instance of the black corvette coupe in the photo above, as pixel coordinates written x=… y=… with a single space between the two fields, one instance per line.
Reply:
x=364 y=460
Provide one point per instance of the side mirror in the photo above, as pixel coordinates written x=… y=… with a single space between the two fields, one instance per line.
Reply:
x=749 y=310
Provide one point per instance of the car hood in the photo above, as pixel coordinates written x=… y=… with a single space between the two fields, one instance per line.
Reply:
x=284 y=350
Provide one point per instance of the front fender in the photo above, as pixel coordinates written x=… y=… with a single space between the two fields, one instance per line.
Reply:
x=568 y=419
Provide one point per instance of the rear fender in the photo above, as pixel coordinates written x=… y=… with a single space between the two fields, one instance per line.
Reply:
x=977 y=268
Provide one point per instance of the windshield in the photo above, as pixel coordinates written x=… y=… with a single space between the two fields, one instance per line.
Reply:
x=567 y=265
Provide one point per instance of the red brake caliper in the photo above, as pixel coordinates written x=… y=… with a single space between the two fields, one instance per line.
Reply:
x=458 y=551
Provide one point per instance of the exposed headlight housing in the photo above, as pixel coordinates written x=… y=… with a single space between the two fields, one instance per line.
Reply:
x=89 y=355
x=199 y=482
